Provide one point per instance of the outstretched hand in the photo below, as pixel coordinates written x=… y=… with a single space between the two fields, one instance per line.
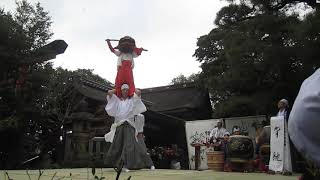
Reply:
x=111 y=92
x=138 y=92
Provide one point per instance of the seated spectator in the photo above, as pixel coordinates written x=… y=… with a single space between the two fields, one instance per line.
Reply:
x=236 y=130
x=224 y=147
x=217 y=135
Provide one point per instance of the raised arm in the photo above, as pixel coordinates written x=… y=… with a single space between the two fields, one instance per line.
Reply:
x=138 y=92
x=111 y=92
x=116 y=52
x=137 y=51
x=110 y=46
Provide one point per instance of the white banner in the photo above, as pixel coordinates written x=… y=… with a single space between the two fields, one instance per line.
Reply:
x=280 y=157
x=198 y=132
x=276 y=142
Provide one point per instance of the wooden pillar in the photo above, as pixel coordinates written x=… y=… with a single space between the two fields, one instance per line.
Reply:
x=91 y=146
x=197 y=157
x=98 y=147
x=68 y=149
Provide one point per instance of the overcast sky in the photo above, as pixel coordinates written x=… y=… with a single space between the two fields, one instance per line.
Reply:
x=167 y=28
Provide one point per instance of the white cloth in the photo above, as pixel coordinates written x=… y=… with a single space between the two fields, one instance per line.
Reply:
x=276 y=142
x=281 y=113
x=304 y=120
x=218 y=133
x=123 y=111
x=124 y=86
x=125 y=56
x=139 y=122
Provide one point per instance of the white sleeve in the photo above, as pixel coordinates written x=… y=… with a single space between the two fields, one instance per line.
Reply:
x=119 y=62
x=212 y=132
x=138 y=106
x=117 y=52
x=225 y=131
x=304 y=122
x=139 y=121
x=112 y=105
x=134 y=54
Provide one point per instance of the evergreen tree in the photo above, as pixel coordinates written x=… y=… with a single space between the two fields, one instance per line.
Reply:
x=258 y=53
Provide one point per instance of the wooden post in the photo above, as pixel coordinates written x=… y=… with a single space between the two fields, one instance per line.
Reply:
x=98 y=147
x=197 y=156
x=91 y=146
x=197 y=160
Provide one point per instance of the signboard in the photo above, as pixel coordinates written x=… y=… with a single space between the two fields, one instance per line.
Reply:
x=198 y=132
x=280 y=157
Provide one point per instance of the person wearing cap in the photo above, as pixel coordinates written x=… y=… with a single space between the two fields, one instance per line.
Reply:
x=217 y=133
x=304 y=123
x=283 y=106
x=124 y=146
x=236 y=130
x=126 y=52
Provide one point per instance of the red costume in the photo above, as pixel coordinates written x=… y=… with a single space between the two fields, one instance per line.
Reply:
x=127 y=51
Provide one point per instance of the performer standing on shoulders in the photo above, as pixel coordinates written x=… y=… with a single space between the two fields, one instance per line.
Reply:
x=126 y=52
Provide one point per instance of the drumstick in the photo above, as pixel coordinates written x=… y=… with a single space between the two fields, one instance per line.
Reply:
x=113 y=40
x=142 y=48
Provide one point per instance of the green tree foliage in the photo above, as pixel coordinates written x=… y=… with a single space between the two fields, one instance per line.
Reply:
x=258 y=53
x=183 y=79
x=274 y=5
x=32 y=93
x=35 y=23
x=22 y=83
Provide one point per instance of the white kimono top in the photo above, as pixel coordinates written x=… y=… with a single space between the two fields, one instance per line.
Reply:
x=218 y=133
x=281 y=113
x=125 y=56
x=139 y=122
x=123 y=111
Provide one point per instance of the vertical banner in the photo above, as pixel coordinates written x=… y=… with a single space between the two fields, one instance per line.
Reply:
x=198 y=132
x=277 y=144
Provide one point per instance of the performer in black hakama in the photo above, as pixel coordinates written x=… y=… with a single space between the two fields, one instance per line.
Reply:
x=123 y=134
